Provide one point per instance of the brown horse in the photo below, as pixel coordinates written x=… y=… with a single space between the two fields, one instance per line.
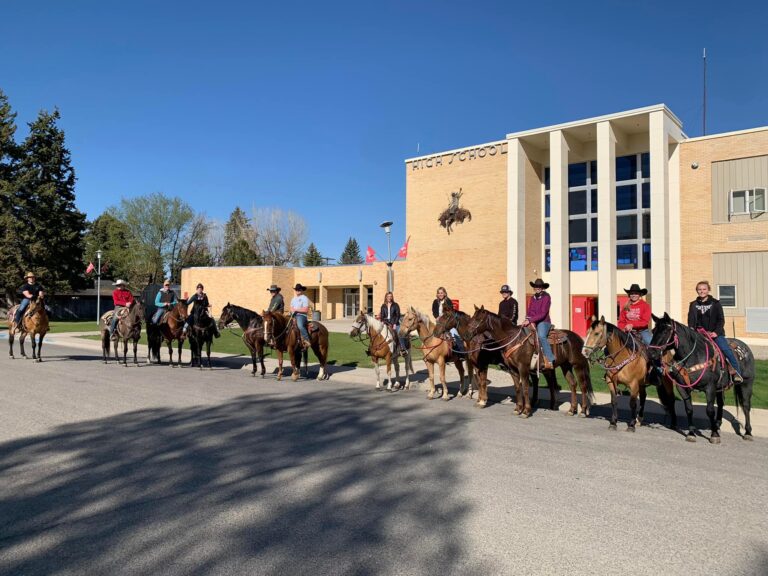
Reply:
x=128 y=328
x=627 y=363
x=34 y=321
x=172 y=328
x=437 y=349
x=383 y=344
x=518 y=346
x=252 y=326
x=284 y=336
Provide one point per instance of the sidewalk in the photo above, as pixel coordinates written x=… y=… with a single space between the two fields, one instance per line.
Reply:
x=500 y=384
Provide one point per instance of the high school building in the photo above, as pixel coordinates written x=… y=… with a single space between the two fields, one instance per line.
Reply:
x=590 y=206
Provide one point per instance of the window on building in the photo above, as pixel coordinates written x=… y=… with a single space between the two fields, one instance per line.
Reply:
x=594 y=258
x=547 y=260
x=747 y=201
x=578 y=259
x=626 y=227
x=577 y=202
x=546 y=178
x=646 y=255
x=726 y=293
x=645 y=165
x=626 y=256
x=626 y=197
x=626 y=167
x=577 y=175
x=577 y=231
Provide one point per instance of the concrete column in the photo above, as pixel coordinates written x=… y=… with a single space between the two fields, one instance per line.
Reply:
x=322 y=305
x=558 y=192
x=676 y=288
x=516 y=229
x=606 y=220
x=659 y=149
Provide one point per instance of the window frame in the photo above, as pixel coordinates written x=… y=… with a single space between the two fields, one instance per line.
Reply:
x=735 y=295
x=750 y=198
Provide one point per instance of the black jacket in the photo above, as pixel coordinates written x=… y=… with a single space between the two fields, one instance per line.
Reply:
x=276 y=303
x=447 y=305
x=508 y=309
x=394 y=314
x=707 y=314
x=33 y=289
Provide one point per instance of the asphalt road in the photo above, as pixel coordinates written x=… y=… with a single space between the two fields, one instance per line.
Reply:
x=152 y=470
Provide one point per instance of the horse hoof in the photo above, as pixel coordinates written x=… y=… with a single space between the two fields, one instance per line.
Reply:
x=748 y=437
x=612 y=427
x=690 y=438
x=714 y=440
x=430 y=396
x=524 y=415
x=630 y=428
x=583 y=414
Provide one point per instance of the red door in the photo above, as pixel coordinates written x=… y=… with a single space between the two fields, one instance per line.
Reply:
x=582 y=310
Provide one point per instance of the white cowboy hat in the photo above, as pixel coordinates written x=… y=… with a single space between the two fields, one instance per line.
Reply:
x=119 y=282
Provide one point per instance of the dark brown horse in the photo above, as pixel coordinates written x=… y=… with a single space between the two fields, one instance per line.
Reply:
x=383 y=344
x=34 y=321
x=627 y=363
x=285 y=335
x=518 y=346
x=172 y=328
x=128 y=329
x=200 y=331
x=252 y=325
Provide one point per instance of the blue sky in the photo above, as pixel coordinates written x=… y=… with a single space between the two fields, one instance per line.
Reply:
x=313 y=106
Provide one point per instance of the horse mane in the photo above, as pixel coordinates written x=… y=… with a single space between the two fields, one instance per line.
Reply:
x=421 y=316
x=504 y=322
x=377 y=325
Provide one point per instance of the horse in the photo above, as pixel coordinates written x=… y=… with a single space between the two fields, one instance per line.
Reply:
x=436 y=349
x=698 y=364
x=252 y=325
x=383 y=344
x=200 y=331
x=34 y=321
x=285 y=335
x=626 y=363
x=172 y=328
x=128 y=328
x=518 y=347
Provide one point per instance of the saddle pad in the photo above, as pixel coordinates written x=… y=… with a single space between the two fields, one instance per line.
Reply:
x=107 y=316
x=312 y=327
x=557 y=336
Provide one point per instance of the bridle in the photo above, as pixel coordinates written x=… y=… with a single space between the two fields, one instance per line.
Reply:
x=603 y=343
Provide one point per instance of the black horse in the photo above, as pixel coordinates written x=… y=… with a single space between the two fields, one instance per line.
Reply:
x=252 y=325
x=201 y=330
x=699 y=365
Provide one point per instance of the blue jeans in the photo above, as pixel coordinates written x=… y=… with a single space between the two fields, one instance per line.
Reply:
x=722 y=343
x=20 y=309
x=301 y=322
x=646 y=336
x=157 y=315
x=542 y=329
x=113 y=325
x=458 y=343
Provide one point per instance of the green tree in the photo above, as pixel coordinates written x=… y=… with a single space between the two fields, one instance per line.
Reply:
x=237 y=249
x=312 y=256
x=112 y=237
x=11 y=263
x=351 y=254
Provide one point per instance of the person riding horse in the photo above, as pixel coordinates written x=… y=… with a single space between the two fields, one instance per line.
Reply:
x=200 y=298
x=538 y=316
x=635 y=315
x=165 y=300
x=276 y=303
x=390 y=315
x=30 y=290
x=122 y=298
x=508 y=305
x=299 y=311
x=442 y=304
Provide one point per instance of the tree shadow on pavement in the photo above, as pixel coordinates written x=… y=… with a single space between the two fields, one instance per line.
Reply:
x=260 y=484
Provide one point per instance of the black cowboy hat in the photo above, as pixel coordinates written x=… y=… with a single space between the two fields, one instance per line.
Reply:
x=273 y=288
x=505 y=289
x=299 y=287
x=539 y=283
x=636 y=289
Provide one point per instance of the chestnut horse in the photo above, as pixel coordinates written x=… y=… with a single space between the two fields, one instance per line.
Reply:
x=627 y=363
x=518 y=347
x=128 y=328
x=284 y=336
x=436 y=349
x=172 y=328
x=383 y=344
x=34 y=321
x=252 y=325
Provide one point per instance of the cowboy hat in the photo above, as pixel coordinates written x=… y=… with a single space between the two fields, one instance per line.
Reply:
x=299 y=287
x=539 y=283
x=505 y=289
x=273 y=288
x=119 y=282
x=636 y=289
x=29 y=275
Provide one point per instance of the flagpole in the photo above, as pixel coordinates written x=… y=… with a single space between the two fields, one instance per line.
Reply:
x=98 y=287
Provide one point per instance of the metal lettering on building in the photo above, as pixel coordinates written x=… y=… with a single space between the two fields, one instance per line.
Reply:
x=466 y=155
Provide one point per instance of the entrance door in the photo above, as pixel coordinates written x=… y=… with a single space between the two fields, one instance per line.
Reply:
x=351 y=302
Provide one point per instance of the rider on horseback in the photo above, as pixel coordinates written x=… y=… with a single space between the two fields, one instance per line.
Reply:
x=299 y=310
x=538 y=315
x=200 y=298
x=165 y=300
x=276 y=303
x=30 y=290
x=508 y=305
x=635 y=315
x=122 y=298
x=390 y=315
x=441 y=304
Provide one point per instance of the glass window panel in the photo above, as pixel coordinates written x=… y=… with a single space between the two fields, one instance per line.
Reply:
x=593 y=171
x=646 y=256
x=738 y=202
x=577 y=202
x=646 y=226
x=593 y=229
x=546 y=178
x=646 y=195
x=577 y=174
x=546 y=233
x=645 y=165
x=727 y=295
x=547 y=259
x=578 y=259
x=626 y=256
x=626 y=197
x=577 y=231
x=593 y=201
x=626 y=167
x=758 y=204
x=626 y=227
x=546 y=205
x=594 y=258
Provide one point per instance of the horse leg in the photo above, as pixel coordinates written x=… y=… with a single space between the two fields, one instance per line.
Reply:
x=208 y=352
x=643 y=396
x=720 y=404
x=633 y=393
x=441 y=364
x=295 y=356
x=22 y=337
x=482 y=387
x=688 y=405
x=431 y=373
x=11 y=336
x=524 y=372
x=745 y=390
x=260 y=353
x=135 y=350
x=713 y=396
x=614 y=403
x=378 y=375
x=125 y=352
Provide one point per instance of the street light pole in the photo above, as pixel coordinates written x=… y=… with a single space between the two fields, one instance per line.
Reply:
x=388 y=229
x=98 y=287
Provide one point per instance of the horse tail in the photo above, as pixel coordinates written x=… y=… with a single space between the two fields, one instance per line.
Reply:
x=590 y=390
x=738 y=394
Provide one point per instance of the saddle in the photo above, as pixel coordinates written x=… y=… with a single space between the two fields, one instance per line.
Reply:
x=107 y=316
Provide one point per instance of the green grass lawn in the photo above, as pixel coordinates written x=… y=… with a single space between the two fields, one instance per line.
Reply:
x=58 y=327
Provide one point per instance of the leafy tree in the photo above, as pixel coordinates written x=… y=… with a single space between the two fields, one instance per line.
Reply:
x=11 y=263
x=277 y=236
x=351 y=254
x=312 y=256
x=112 y=237
x=237 y=250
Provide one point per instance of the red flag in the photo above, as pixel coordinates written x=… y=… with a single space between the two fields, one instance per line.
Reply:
x=370 y=255
x=403 y=252
x=90 y=268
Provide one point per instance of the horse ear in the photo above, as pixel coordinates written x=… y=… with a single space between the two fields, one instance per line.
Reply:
x=655 y=318
x=476 y=308
x=602 y=318
x=482 y=306
x=666 y=316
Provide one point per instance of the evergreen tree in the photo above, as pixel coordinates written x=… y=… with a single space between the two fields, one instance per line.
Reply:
x=312 y=256
x=237 y=249
x=11 y=263
x=351 y=254
x=52 y=226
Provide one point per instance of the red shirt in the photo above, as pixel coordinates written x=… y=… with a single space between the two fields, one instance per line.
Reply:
x=637 y=314
x=122 y=297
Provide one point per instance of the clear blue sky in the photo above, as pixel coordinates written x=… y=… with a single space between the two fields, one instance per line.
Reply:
x=313 y=106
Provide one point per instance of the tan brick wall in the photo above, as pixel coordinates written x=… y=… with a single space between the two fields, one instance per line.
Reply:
x=700 y=238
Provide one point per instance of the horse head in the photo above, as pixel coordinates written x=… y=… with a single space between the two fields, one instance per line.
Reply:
x=226 y=316
x=477 y=323
x=664 y=336
x=359 y=325
x=596 y=338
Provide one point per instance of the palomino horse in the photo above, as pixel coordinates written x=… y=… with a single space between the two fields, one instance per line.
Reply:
x=284 y=336
x=518 y=347
x=437 y=349
x=34 y=321
x=698 y=364
x=172 y=328
x=627 y=363
x=252 y=326
x=200 y=332
x=128 y=328
x=383 y=344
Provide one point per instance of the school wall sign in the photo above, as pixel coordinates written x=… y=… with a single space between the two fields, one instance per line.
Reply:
x=463 y=155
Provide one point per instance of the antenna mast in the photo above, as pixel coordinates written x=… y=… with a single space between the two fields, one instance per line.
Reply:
x=704 y=112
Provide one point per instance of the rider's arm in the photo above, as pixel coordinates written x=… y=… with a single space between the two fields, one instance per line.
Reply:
x=158 y=300
x=719 y=319
x=692 y=315
x=514 y=311
x=27 y=294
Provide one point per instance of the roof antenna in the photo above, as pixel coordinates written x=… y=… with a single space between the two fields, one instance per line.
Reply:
x=704 y=113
